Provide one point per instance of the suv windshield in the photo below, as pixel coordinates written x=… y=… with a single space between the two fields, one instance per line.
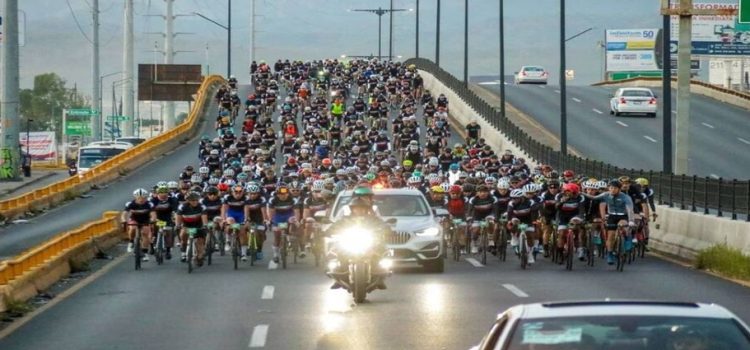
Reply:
x=392 y=205
x=628 y=332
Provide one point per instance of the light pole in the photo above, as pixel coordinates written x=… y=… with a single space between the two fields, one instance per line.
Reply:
x=101 y=102
x=228 y=28
x=416 y=39
x=437 y=35
x=380 y=12
x=563 y=94
x=466 y=43
x=502 y=58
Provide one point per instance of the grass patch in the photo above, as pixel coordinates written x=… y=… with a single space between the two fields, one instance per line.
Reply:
x=725 y=260
x=17 y=308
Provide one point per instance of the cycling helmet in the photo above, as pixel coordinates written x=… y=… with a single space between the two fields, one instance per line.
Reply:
x=213 y=181
x=223 y=187
x=247 y=168
x=212 y=190
x=193 y=196
x=480 y=175
x=140 y=193
x=624 y=179
x=569 y=173
x=642 y=181
x=238 y=188
x=455 y=189
x=203 y=170
x=253 y=188
x=189 y=168
x=242 y=177
x=615 y=183
x=161 y=184
x=318 y=185
x=503 y=185
x=572 y=188
x=530 y=188
x=228 y=173
x=454 y=166
x=468 y=188
x=326 y=161
x=602 y=185
x=196 y=179
x=415 y=180
x=433 y=162
x=437 y=189
x=408 y=163
x=446 y=187
x=516 y=193
x=173 y=185
x=490 y=181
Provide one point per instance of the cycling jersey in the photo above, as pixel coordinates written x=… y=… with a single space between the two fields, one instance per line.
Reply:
x=482 y=207
x=315 y=205
x=165 y=208
x=524 y=210
x=235 y=207
x=255 y=207
x=456 y=207
x=139 y=213
x=212 y=207
x=191 y=215
x=283 y=209
x=569 y=208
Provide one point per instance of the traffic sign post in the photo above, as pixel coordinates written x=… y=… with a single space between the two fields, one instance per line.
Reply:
x=81 y=112
x=743 y=16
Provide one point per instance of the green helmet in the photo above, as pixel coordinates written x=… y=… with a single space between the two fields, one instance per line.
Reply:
x=417 y=173
x=370 y=176
x=362 y=191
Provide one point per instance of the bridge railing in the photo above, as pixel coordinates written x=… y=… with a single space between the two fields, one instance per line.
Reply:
x=721 y=197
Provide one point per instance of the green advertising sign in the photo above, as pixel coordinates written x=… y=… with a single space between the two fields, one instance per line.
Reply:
x=118 y=117
x=82 y=112
x=82 y=128
x=744 y=13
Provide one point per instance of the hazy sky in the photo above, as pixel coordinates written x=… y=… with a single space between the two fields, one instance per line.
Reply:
x=323 y=28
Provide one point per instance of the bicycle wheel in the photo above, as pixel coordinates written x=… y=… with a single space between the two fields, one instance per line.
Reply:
x=190 y=248
x=235 y=249
x=209 y=246
x=222 y=243
x=295 y=249
x=524 y=253
x=456 y=247
x=137 y=248
x=484 y=242
x=251 y=246
x=590 y=249
x=620 y=252
x=553 y=245
x=569 y=250
x=502 y=248
x=159 y=252
x=283 y=250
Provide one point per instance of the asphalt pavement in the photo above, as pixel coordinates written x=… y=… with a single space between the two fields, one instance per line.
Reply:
x=719 y=132
x=263 y=306
x=16 y=238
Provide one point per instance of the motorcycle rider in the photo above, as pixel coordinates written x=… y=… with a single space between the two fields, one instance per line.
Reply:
x=361 y=214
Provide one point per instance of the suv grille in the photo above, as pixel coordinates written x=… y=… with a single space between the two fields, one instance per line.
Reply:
x=398 y=238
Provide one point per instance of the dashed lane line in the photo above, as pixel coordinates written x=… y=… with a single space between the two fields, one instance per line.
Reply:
x=707 y=125
x=621 y=123
x=743 y=141
x=474 y=262
x=649 y=138
x=597 y=111
x=515 y=290
x=577 y=100
x=267 y=292
x=258 y=339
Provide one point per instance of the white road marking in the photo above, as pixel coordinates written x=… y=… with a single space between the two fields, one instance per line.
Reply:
x=597 y=111
x=541 y=86
x=577 y=100
x=258 y=339
x=496 y=82
x=267 y=292
x=272 y=265
x=515 y=290
x=744 y=141
x=649 y=138
x=674 y=112
x=557 y=91
x=474 y=262
x=708 y=125
x=715 y=176
x=621 y=123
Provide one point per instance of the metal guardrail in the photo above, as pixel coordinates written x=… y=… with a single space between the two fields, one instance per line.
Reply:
x=107 y=168
x=718 y=196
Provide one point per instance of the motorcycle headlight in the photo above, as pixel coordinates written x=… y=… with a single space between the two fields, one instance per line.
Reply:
x=355 y=240
x=429 y=232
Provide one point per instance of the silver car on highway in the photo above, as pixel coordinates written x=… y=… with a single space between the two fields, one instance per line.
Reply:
x=531 y=74
x=632 y=325
x=633 y=100
x=417 y=237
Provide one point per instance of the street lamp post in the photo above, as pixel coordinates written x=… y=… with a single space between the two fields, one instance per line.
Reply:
x=563 y=94
x=502 y=58
x=437 y=35
x=416 y=39
x=228 y=28
x=466 y=43
x=380 y=12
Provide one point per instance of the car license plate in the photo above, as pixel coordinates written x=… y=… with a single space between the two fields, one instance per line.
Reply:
x=636 y=102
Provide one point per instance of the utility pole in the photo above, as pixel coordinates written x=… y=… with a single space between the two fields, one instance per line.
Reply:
x=229 y=37
x=685 y=11
x=10 y=147
x=437 y=35
x=666 y=92
x=501 y=15
x=416 y=39
x=380 y=12
x=390 y=33
x=96 y=119
x=127 y=71
x=466 y=43
x=252 y=34
x=169 y=117
x=563 y=94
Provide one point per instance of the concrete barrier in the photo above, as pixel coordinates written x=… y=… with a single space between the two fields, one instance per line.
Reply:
x=34 y=271
x=463 y=114
x=684 y=233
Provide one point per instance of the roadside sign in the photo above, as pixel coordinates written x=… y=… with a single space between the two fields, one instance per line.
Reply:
x=744 y=12
x=82 y=112
x=78 y=127
x=118 y=117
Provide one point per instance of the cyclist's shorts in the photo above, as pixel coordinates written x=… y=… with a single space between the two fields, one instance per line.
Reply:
x=238 y=216
x=201 y=231
x=612 y=220
x=279 y=218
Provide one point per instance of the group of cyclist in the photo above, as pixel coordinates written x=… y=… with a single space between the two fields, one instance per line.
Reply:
x=312 y=129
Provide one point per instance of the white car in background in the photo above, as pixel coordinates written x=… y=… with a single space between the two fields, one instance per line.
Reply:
x=531 y=74
x=633 y=100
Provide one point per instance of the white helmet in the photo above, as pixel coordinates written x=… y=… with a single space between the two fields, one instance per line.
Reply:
x=529 y=188
x=203 y=170
x=516 y=193
x=247 y=168
x=173 y=185
x=503 y=185
x=229 y=172
x=140 y=193
x=433 y=162
x=318 y=185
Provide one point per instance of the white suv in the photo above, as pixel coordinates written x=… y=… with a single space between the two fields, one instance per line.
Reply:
x=417 y=237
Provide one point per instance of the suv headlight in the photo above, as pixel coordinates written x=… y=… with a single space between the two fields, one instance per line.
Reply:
x=429 y=232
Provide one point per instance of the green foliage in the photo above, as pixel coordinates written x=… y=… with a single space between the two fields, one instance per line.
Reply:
x=45 y=101
x=725 y=260
x=17 y=307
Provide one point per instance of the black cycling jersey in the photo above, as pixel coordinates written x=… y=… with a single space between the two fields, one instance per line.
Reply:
x=212 y=207
x=480 y=208
x=235 y=204
x=140 y=213
x=165 y=208
x=191 y=215
x=255 y=207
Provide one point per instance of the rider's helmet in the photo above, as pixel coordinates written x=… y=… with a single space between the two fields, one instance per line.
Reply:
x=642 y=181
x=516 y=193
x=140 y=193
x=437 y=189
x=572 y=188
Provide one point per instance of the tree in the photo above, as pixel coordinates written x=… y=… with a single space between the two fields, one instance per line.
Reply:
x=45 y=101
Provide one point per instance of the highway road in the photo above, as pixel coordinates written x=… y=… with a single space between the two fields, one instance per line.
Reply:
x=719 y=132
x=164 y=307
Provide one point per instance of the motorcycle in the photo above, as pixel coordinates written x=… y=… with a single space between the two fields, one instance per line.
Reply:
x=351 y=260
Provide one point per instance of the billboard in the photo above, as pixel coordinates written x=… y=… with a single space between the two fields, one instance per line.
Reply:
x=42 y=145
x=714 y=35
x=631 y=50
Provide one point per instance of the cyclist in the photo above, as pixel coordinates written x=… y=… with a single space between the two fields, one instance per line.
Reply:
x=481 y=208
x=165 y=205
x=312 y=204
x=616 y=206
x=192 y=214
x=281 y=209
x=234 y=210
x=257 y=216
x=522 y=210
x=570 y=210
x=139 y=212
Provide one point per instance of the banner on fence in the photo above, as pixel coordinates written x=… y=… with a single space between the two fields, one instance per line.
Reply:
x=42 y=146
